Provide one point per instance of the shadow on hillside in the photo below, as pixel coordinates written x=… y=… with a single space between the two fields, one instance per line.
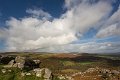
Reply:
x=89 y=58
x=114 y=63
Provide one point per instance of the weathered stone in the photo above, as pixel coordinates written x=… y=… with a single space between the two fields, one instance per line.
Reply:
x=38 y=72
x=3 y=70
x=47 y=73
x=22 y=74
x=28 y=74
x=9 y=70
x=47 y=79
x=20 y=65
x=37 y=61
x=7 y=66
x=19 y=59
x=44 y=72
x=61 y=77
x=15 y=65
x=10 y=64
x=115 y=72
x=19 y=62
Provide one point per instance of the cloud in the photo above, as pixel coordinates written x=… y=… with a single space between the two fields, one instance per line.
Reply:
x=31 y=33
x=90 y=47
x=112 y=30
x=3 y=33
x=83 y=15
x=39 y=13
x=39 y=31
x=73 y=3
x=111 y=27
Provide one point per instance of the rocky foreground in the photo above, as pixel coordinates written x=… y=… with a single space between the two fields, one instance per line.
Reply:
x=30 y=67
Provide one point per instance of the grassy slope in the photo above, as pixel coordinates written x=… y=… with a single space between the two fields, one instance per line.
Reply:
x=62 y=64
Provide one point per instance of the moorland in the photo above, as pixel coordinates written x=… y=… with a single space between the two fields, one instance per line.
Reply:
x=59 y=66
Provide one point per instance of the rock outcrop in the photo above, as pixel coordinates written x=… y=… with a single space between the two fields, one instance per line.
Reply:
x=33 y=65
x=18 y=62
x=23 y=62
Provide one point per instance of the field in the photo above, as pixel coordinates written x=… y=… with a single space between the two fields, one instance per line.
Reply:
x=62 y=64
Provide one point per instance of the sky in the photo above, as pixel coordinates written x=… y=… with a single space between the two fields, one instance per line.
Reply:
x=84 y=26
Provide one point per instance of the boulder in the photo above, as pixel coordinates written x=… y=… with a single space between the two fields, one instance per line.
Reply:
x=3 y=70
x=20 y=65
x=19 y=62
x=22 y=74
x=10 y=64
x=9 y=70
x=28 y=74
x=38 y=72
x=44 y=72
x=20 y=59
x=37 y=61
x=115 y=72
x=14 y=65
x=47 y=73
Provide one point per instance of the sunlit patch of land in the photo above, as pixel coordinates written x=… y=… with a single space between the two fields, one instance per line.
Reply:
x=64 y=66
